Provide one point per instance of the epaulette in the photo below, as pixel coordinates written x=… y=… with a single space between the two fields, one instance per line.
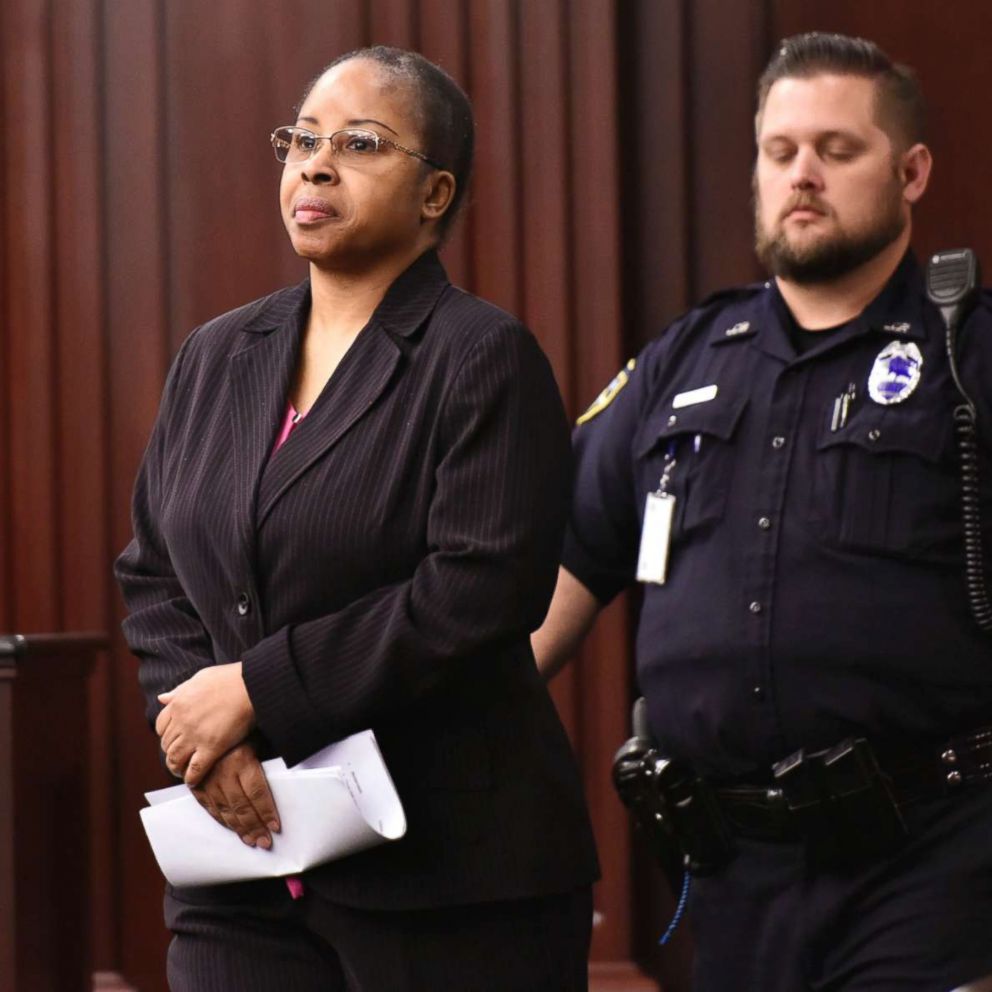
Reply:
x=722 y=298
x=984 y=301
x=735 y=294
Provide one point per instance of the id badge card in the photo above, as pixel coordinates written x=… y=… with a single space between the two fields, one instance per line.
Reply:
x=656 y=538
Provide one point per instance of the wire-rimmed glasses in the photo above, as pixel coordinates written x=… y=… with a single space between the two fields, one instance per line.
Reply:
x=351 y=145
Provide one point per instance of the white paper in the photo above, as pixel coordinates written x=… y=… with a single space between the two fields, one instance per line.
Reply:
x=337 y=802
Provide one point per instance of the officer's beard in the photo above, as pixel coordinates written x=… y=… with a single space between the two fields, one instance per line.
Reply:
x=826 y=259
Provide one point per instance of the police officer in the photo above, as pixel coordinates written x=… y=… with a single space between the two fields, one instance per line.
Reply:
x=779 y=470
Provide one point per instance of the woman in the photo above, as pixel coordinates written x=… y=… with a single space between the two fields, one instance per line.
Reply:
x=349 y=515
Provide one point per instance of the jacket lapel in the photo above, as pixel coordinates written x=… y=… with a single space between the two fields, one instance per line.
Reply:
x=359 y=380
x=260 y=375
x=353 y=389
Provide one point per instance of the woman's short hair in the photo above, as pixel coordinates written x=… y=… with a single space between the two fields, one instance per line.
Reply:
x=446 y=122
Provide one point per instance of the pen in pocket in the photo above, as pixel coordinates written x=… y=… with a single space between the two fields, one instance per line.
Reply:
x=842 y=407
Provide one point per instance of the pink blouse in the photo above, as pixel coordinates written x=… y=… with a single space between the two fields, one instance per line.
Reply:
x=291 y=419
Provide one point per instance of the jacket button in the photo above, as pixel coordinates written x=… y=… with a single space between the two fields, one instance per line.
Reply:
x=244 y=604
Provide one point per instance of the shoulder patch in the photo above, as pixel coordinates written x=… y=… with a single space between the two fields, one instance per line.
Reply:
x=608 y=395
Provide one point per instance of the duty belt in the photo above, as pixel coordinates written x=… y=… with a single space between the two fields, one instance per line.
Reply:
x=845 y=805
x=811 y=793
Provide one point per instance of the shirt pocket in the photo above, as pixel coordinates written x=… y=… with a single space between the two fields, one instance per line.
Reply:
x=701 y=440
x=886 y=483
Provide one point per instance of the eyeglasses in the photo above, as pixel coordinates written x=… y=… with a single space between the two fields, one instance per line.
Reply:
x=353 y=146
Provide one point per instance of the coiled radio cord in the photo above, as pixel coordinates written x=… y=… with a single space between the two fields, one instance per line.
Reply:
x=966 y=433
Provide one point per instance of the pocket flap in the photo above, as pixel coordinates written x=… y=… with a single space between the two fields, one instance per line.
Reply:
x=716 y=418
x=924 y=434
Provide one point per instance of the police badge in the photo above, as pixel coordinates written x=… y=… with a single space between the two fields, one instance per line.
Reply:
x=896 y=373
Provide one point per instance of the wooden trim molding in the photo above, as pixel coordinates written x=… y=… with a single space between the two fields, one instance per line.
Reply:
x=44 y=841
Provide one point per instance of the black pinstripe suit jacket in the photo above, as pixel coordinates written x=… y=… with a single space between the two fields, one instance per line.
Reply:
x=384 y=568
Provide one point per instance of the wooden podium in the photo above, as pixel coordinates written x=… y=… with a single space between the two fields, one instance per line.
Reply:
x=44 y=833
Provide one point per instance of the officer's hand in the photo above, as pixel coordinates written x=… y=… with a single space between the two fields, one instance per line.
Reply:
x=236 y=794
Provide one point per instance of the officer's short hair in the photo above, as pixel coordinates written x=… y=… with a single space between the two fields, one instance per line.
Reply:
x=899 y=103
x=447 y=125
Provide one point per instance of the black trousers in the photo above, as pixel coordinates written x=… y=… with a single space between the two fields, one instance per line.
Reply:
x=919 y=920
x=255 y=938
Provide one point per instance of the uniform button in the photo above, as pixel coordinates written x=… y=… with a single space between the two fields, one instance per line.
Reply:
x=755 y=607
x=672 y=420
x=874 y=434
x=244 y=604
x=778 y=441
x=758 y=692
x=764 y=523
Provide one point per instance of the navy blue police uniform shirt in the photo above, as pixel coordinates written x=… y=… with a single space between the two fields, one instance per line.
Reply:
x=815 y=585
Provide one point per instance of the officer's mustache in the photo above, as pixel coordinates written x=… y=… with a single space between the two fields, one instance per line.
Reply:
x=804 y=201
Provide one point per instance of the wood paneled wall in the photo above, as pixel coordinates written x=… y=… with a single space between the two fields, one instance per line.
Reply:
x=142 y=199
x=139 y=198
x=54 y=463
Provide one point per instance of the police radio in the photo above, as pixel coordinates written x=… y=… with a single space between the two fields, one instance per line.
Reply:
x=953 y=281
